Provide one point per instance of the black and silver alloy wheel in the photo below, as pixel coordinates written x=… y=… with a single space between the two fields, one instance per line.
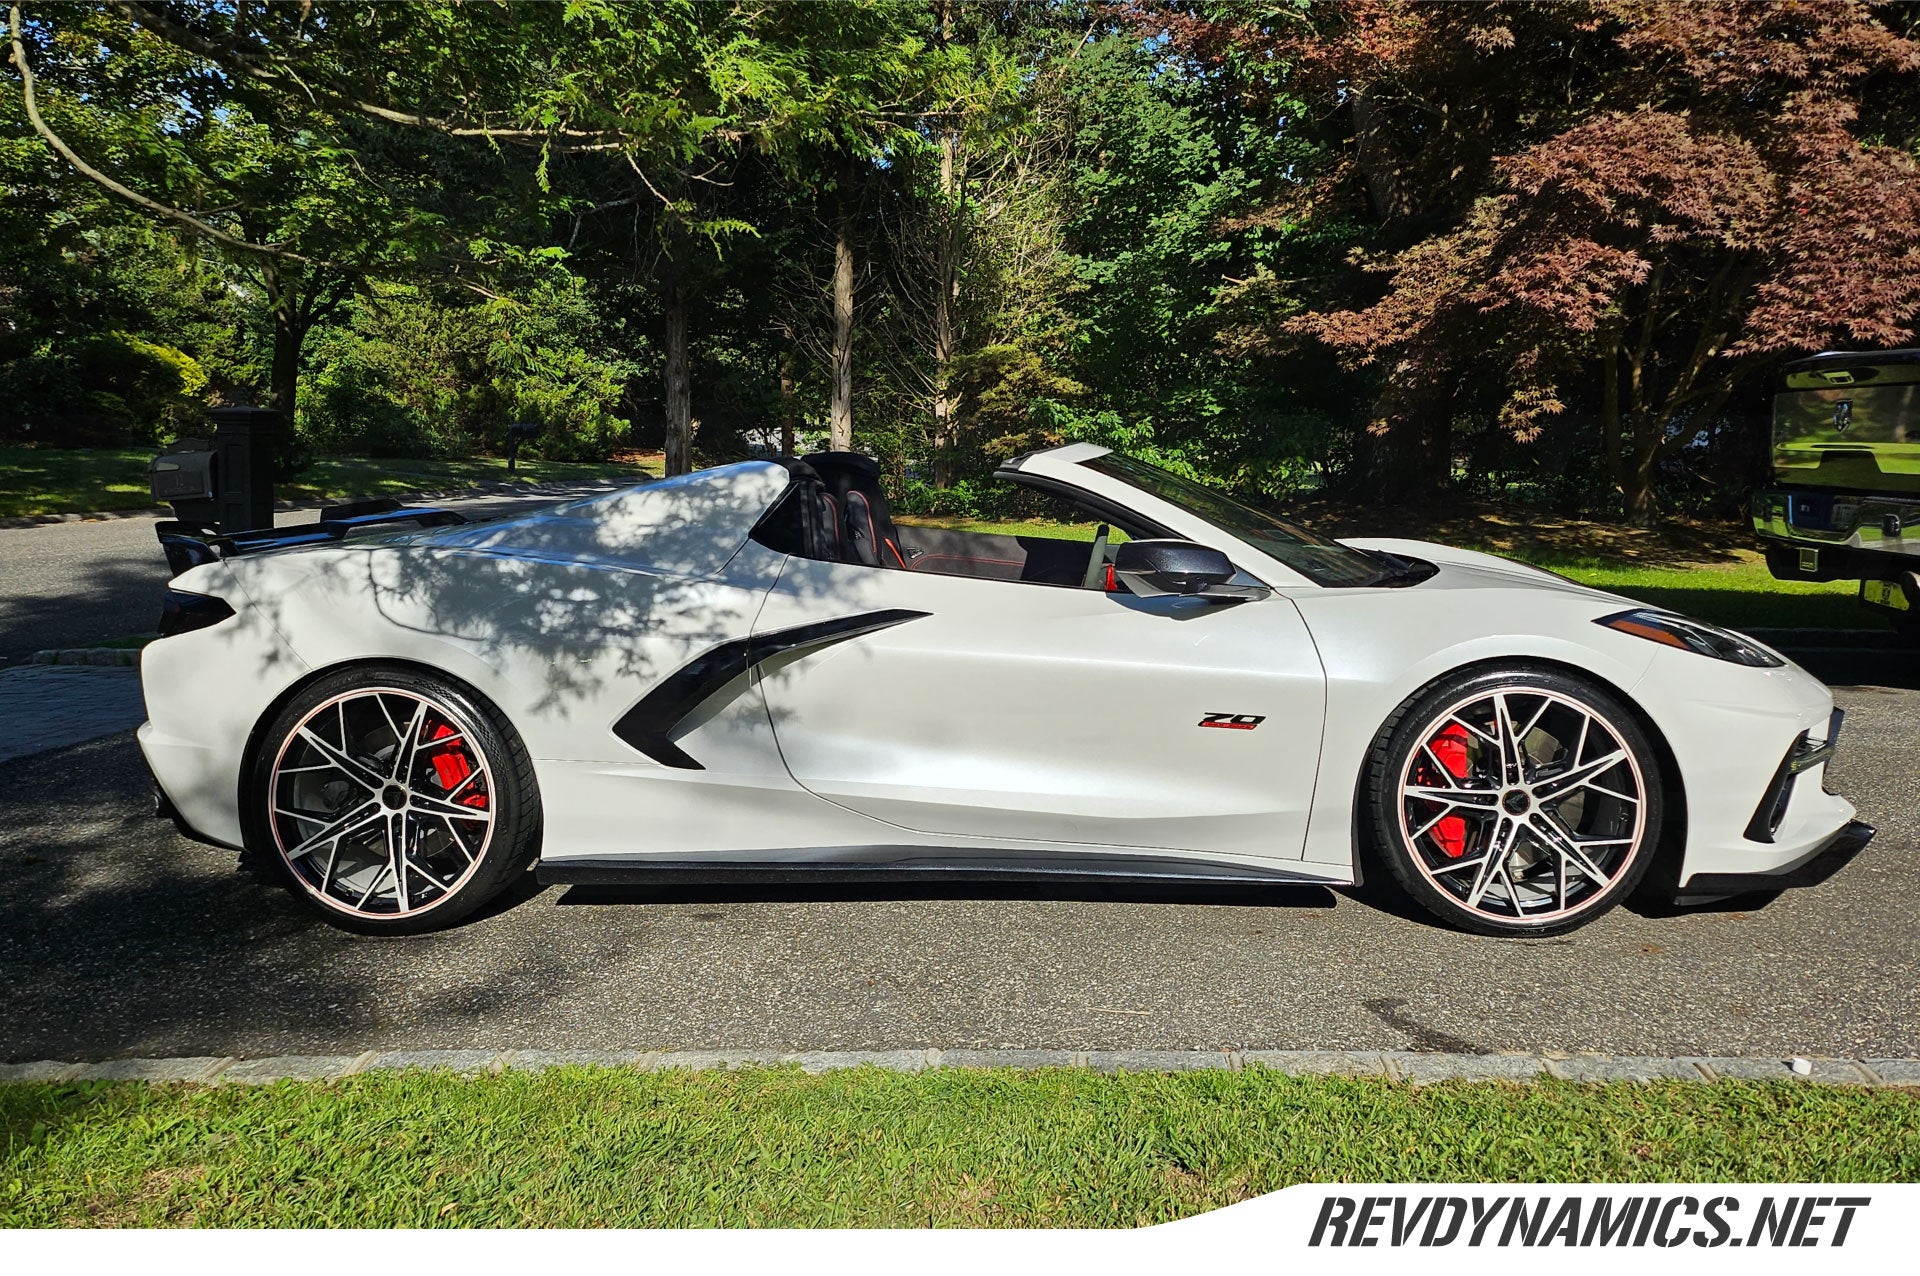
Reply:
x=394 y=803
x=1517 y=803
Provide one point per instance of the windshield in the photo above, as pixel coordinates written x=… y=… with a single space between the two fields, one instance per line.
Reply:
x=1322 y=561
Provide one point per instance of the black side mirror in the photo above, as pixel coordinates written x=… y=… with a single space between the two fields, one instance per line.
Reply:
x=1154 y=568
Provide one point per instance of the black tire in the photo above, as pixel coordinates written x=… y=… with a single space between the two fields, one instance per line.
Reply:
x=1529 y=886
x=463 y=825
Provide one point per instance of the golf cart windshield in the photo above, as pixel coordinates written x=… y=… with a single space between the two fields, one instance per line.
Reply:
x=1320 y=560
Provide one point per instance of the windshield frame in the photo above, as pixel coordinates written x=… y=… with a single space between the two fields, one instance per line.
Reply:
x=1319 y=559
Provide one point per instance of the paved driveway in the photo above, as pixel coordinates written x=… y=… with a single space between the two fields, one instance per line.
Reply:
x=118 y=938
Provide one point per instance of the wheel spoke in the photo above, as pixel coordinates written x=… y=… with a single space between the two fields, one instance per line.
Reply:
x=450 y=810
x=1493 y=861
x=461 y=787
x=1567 y=848
x=351 y=822
x=1513 y=768
x=1534 y=721
x=1555 y=785
x=333 y=857
x=1472 y=799
x=409 y=745
x=1457 y=720
x=381 y=876
x=453 y=832
x=1446 y=809
x=380 y=703
x=416 y=834
x=1513 y=892
x=397 y=859
x=344 y=762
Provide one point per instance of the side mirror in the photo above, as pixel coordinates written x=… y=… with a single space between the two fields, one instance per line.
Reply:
x=1155 y=568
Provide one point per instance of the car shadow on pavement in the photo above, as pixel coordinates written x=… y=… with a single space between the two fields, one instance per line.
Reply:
x=1658 y=909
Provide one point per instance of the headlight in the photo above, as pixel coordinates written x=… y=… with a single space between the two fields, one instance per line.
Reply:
x=1696 y=636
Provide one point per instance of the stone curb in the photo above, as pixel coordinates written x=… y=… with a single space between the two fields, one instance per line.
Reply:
x=440 y=494
x=1407 y=1067
x=98 y=657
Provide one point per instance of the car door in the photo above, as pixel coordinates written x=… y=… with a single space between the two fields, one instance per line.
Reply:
x=998 y=709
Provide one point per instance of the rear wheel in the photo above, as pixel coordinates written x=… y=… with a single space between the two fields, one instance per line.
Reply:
x=1515 y=802
x=393 y=802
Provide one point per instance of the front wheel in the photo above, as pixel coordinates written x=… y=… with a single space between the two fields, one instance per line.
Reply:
x=392 y=801
x=1515 y=802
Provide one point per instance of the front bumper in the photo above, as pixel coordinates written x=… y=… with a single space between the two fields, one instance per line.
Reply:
x=1749 y=746
x=1826 y=859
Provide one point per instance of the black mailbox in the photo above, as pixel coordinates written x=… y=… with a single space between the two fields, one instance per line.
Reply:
x=182 y=476
x=226 y=482
x=519 y=432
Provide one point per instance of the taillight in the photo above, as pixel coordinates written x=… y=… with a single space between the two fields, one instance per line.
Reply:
x=183 y=612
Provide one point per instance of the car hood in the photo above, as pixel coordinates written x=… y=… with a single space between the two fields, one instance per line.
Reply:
x=1470 y=569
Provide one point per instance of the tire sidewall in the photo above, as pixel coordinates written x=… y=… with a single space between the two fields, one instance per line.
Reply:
x=1401 y=736
x=515 y=834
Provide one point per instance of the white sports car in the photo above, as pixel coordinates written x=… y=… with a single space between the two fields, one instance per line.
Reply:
x=748 y=673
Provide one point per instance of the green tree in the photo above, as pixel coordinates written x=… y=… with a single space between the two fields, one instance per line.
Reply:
x=1628 y=207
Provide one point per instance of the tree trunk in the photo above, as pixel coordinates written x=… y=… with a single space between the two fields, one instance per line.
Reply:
x=1642 y=509
x=283 y=385
x=679 y=392
x=290 y=327
x=786 y=402
x=1380 y=167
x=1405 y=453
x=840 y=417
x=1610 y=416
x=947 y=281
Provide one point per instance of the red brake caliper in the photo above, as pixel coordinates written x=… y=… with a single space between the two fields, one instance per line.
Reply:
x=1450 y=748
x=451 y=766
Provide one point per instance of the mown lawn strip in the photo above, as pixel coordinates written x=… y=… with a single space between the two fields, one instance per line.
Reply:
x=766 y=1146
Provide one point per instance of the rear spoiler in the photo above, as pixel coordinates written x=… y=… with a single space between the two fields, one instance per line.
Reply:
x=189 y=545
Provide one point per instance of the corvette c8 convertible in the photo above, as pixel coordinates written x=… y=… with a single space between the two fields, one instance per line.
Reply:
x=747 y=673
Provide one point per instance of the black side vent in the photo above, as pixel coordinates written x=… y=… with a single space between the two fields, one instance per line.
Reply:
x=649 y=725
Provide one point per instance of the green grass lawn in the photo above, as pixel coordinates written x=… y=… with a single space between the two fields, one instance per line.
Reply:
x=1742 y=595
x=1730 y=587
x=774 y=1147
x=57 y=481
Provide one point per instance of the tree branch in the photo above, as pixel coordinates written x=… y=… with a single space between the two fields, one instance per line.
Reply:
x=126 y=193
x=260 y=66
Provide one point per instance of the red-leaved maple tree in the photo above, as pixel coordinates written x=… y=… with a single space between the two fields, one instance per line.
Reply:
x=1623 y=208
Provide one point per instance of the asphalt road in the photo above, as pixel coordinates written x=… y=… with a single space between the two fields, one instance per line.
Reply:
x=74 y=584
x=119 y=938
